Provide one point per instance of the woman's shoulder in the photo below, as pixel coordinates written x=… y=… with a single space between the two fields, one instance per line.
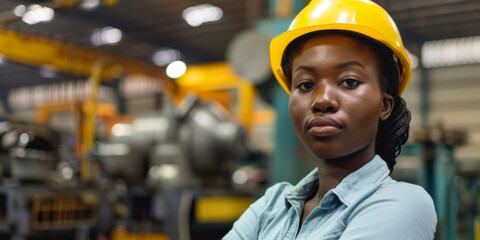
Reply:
x=403 y=197
x=404 y=192
x=401 y=208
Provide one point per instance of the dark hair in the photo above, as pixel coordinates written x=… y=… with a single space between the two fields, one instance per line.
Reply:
x=392 y=132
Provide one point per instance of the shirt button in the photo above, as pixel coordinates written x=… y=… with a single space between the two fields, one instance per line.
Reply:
x=331 y=198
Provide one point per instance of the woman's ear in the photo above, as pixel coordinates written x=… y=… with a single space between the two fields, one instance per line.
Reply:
x=387 y=106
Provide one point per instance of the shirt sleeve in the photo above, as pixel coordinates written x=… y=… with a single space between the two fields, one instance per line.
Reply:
x=249 y=225
x=405 y=212
x=246 y=227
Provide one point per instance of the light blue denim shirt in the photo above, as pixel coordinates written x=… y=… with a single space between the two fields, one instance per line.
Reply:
x=367 y=204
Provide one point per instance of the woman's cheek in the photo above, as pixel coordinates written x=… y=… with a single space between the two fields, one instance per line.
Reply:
x=295 y=110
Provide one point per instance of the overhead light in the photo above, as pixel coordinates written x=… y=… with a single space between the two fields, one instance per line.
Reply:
x=19 y=10
x=176 y=69
x=37 y=14
x=106 y=36
x=164 y=56
x=89 y=4
x=197 y=15
x=450 y=52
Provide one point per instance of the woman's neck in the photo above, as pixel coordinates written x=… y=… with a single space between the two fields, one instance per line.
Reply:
x=332 y=171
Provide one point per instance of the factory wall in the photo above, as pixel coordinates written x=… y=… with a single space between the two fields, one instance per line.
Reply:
x=453 y=98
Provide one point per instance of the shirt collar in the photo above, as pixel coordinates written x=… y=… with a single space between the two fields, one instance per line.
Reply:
x=305 y=187
x=357 y=183
x=350 y=188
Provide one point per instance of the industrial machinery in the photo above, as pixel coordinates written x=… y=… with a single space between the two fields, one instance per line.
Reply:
x=186 y=171
x=40 y=194
x=175 y=163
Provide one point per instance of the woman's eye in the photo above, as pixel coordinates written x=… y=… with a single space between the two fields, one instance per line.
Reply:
x=349 y=82
x=305 y=85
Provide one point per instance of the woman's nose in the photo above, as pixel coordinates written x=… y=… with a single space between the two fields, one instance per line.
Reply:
x=325 y=100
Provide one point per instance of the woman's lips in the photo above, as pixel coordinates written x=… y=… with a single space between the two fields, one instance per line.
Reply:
x=323 y=127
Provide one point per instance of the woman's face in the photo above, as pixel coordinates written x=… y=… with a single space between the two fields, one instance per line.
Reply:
x=336 y=99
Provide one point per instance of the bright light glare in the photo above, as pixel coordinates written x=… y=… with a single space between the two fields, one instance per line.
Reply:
x=89 y=4
x=164 y=56
x=67 y=173
x=2 y=60
x=320 y=9
x=240 y=176
x=24 y=138
x=19 y=10
x=176 y=69
x=197 y=15
x=111 y=35
x=106 y=36
x=36 y=14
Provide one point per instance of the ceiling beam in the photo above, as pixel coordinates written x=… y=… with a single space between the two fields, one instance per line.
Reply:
x=69 y=58
x=437 y=10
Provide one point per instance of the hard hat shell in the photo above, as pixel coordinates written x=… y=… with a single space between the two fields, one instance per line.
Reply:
x=360 y=16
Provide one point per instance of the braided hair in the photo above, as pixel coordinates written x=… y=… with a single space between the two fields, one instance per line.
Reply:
x=392 y=132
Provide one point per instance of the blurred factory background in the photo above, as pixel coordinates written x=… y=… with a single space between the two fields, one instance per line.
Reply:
x=160 y=119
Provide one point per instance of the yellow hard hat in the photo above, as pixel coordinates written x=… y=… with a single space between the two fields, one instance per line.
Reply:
x=360 y=16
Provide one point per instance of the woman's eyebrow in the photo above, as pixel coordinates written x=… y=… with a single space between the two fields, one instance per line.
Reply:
x=347 y=64
x=340 y=65
x=306 y=68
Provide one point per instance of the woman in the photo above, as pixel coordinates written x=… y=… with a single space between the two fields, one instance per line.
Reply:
x=344 y=66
